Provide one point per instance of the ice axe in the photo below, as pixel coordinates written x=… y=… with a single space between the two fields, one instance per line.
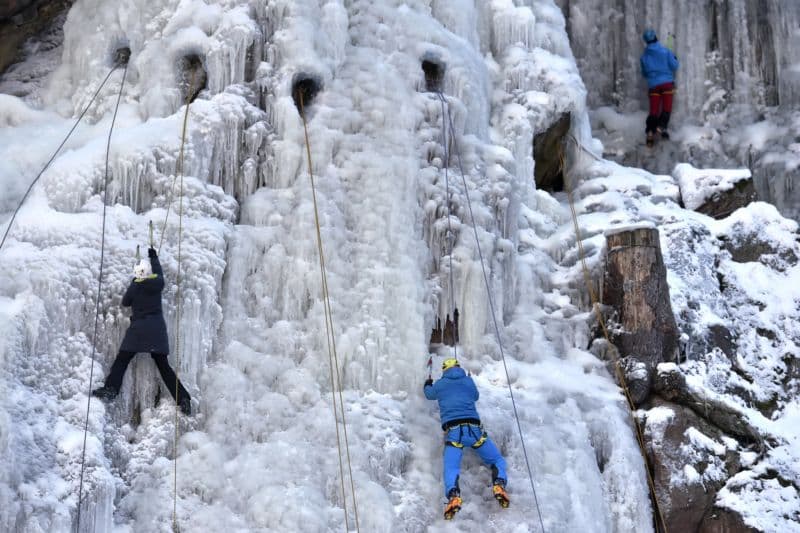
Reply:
x=670 y=42
x=138 y=255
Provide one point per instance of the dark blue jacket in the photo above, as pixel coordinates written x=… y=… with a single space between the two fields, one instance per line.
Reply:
x=658 y=64
x=148 y=331
x=457 y=394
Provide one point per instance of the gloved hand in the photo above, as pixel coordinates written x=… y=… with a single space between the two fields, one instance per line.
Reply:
x=151 y=252
x=428 y=382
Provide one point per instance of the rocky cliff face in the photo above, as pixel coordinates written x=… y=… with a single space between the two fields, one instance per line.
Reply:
x=737 y=89
x=29 y=30
x=719 y=419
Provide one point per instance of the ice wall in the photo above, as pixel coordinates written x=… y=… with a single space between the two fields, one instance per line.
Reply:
x=738 y=86
x=740 y=47
x=254 y=353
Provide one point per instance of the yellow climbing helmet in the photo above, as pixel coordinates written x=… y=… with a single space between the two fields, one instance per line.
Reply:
x=449 y=363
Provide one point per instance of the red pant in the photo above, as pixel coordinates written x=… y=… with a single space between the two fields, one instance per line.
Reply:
x=661 y=99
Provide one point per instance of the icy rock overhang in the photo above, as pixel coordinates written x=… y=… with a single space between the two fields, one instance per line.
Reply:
x=15 y=8
x=21 y=19
x=548 y=151
x=445 y=332
x=714 y=192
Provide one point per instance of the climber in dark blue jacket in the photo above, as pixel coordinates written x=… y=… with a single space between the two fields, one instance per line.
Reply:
x=146 y=333
x=457 y=394
x=658 y=65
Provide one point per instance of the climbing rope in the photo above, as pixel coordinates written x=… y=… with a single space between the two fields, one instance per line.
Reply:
x=60 y=146
x=179 y=169
x=617 y=367
x=178 y=300
x=450 y=236
x=494 y=317
x=336 y=384
x=99 y=277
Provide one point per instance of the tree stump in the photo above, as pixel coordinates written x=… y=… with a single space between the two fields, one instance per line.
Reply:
x=635 y=286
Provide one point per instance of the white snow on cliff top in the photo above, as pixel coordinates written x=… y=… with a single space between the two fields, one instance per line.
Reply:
x=700 y=185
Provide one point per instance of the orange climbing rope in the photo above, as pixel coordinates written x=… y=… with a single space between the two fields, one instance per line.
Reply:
x=178 y=303
x=617 y=367
x=336 y=384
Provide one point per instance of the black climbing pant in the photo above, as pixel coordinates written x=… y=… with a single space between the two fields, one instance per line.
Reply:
x=114 y=378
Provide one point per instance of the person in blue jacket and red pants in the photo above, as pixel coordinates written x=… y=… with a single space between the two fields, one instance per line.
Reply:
x=658 y=65
x=457 y=394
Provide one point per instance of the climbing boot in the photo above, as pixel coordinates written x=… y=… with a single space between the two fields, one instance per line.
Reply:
x=500 y=495
x=105 y=393
x=650 y=139
x=185 y=405
x=453 y=506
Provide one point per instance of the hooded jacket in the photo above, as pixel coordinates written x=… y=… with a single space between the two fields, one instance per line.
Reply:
x=148 y=331
x=456 y=394
x=658 y=64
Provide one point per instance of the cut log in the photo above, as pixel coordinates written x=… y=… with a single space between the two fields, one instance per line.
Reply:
x=635 y=287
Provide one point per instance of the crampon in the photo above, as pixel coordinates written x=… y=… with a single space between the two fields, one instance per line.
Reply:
x=501 y=496
x=452 y=507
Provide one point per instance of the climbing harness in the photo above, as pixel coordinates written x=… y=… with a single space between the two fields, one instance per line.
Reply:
x=99 y=276
x=60 y=146
x=333 y=358
x=458 y=444
x=617 y=367
x=493 y=314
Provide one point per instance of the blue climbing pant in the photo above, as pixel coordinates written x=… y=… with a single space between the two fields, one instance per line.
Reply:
x=469 y=436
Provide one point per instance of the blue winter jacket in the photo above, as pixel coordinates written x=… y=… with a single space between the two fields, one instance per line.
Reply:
x=456 y=393
x=658 y=64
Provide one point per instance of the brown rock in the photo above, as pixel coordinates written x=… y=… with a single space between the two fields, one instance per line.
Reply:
x=687 y=475
x=719 y=520
x=671 y=385
x=724 y=203
x=21 y=19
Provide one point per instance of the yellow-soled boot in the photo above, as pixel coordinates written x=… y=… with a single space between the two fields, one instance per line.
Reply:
x=500 y=495
x=453 y=506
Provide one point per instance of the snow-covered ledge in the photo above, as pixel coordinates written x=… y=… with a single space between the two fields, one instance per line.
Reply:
x=713 y=191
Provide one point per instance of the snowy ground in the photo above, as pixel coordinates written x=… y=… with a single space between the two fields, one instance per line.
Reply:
x=260 y=453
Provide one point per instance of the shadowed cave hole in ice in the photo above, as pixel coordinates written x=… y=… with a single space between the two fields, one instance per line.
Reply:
x=121 y=55
x=192 y=77
x=305 y=88
x=434 y=73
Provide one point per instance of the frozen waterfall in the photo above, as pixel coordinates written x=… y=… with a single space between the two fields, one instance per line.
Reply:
x=261 y=453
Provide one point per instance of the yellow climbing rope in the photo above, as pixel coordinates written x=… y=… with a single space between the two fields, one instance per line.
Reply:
x=336 y=385
x=617 y=367
x=178 y=301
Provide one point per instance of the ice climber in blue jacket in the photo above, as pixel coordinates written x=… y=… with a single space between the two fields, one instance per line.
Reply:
x=457 y=394
x=658 y=65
